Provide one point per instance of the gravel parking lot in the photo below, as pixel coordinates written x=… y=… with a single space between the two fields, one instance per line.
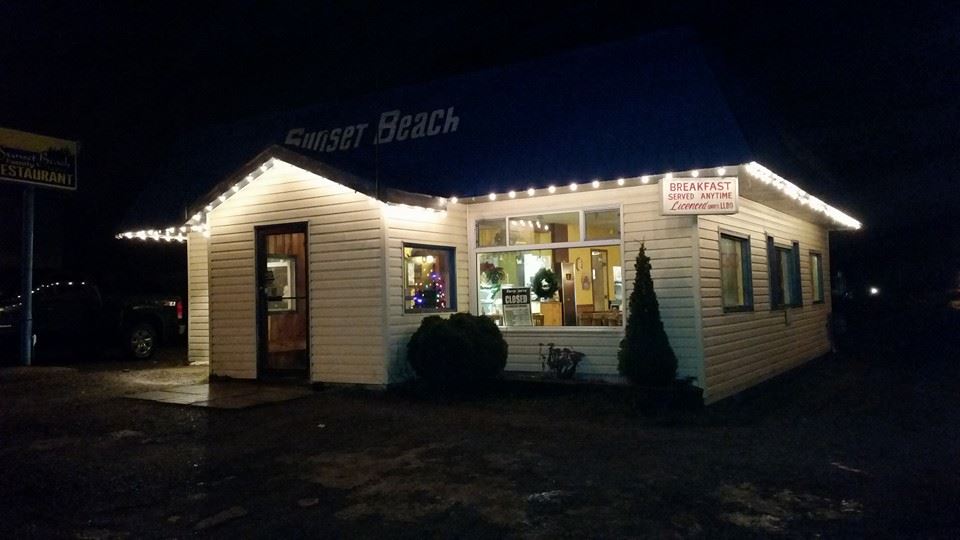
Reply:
x=848 y=446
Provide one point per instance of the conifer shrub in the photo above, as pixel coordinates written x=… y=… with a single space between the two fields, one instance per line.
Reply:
x=645 y=356
x=456 y=352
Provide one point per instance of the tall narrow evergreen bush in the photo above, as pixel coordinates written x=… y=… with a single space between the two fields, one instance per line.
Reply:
x=645 y=355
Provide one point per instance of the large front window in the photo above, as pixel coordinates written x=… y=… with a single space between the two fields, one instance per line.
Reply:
x=428 y=279
x=572 y=281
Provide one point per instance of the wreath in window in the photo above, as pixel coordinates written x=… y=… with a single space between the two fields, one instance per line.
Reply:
x=491 y=275
x=545 y=284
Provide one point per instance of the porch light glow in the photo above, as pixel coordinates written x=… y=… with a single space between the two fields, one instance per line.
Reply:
x=645 y=179
x=695 y=173
x=531 y=192
x=620 y=181
x=552 y=189
x=721 y=171
x=512 y=194
x=595 y=184
x=573 y=186
x=454 y=200
x=492 y=196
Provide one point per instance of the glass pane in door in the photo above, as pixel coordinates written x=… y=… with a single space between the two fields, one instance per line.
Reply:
x=283 y=303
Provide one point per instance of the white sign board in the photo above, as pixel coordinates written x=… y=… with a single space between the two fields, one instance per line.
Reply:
x=516 y=307
x=696 y=196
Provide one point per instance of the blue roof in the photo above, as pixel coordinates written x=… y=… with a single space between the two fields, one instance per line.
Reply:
x=646 y=105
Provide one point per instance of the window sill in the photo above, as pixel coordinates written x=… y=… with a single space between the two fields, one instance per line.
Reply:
x=738 y=309
x=565 y=329
x=428 y=311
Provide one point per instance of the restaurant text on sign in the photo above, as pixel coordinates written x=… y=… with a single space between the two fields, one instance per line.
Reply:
x=691 y=196
x=37 y=160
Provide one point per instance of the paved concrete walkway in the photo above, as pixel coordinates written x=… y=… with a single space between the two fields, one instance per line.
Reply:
x=224 y=395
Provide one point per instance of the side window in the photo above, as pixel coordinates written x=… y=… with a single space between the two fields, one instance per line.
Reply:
x=429 y=279
x=784 y=267
x=816 y=276
x=735 y=278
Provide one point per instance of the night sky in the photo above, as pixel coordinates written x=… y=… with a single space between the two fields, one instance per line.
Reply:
x=870 y=98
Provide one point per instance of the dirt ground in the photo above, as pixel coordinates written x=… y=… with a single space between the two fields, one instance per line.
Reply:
x=867 y=444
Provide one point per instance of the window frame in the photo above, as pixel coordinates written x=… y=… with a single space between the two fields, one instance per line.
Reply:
x=452 y=286
x=818 y=275
x=746 y=268
x=550 y=245
x=474 y=251
x=580 y=227
x=774 y=280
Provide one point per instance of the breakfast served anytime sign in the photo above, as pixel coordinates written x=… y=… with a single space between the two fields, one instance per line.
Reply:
x=695 y=196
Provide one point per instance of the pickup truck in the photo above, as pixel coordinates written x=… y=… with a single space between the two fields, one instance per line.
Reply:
x=75 y=315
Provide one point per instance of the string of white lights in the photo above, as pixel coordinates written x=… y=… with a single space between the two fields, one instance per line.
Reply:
x=198 y=222
x=793 y=191
x=753 y=168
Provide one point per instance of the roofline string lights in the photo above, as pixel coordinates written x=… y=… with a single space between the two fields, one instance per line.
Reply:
x=793 y=191
x=198 y=221
x=572 y=187
x=753 y=168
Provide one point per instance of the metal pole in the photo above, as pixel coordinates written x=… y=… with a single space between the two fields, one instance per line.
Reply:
x=26 y=279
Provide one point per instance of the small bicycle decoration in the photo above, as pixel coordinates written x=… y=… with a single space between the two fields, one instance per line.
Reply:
x=562 y=360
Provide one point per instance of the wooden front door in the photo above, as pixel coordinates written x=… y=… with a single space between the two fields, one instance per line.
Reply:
x=283 y=338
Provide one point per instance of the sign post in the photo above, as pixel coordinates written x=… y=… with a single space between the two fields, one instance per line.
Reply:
x=26 y=279
x=34 y=160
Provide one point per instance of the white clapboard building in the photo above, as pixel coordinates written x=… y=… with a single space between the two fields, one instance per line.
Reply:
x=330 y=233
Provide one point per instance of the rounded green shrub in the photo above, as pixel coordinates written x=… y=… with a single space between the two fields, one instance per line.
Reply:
x=458 y=351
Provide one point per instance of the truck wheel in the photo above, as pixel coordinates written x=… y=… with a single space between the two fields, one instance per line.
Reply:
x=141 y=340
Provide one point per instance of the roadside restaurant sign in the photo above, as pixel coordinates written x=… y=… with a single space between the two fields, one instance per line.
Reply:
x=37 y=160
x=695 y=196
x=516 y=307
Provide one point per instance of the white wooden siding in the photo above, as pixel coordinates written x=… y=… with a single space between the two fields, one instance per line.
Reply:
x=743 y=349
x=670 y=245
x=345 y=265
x=198 y=300
x=408 y=225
